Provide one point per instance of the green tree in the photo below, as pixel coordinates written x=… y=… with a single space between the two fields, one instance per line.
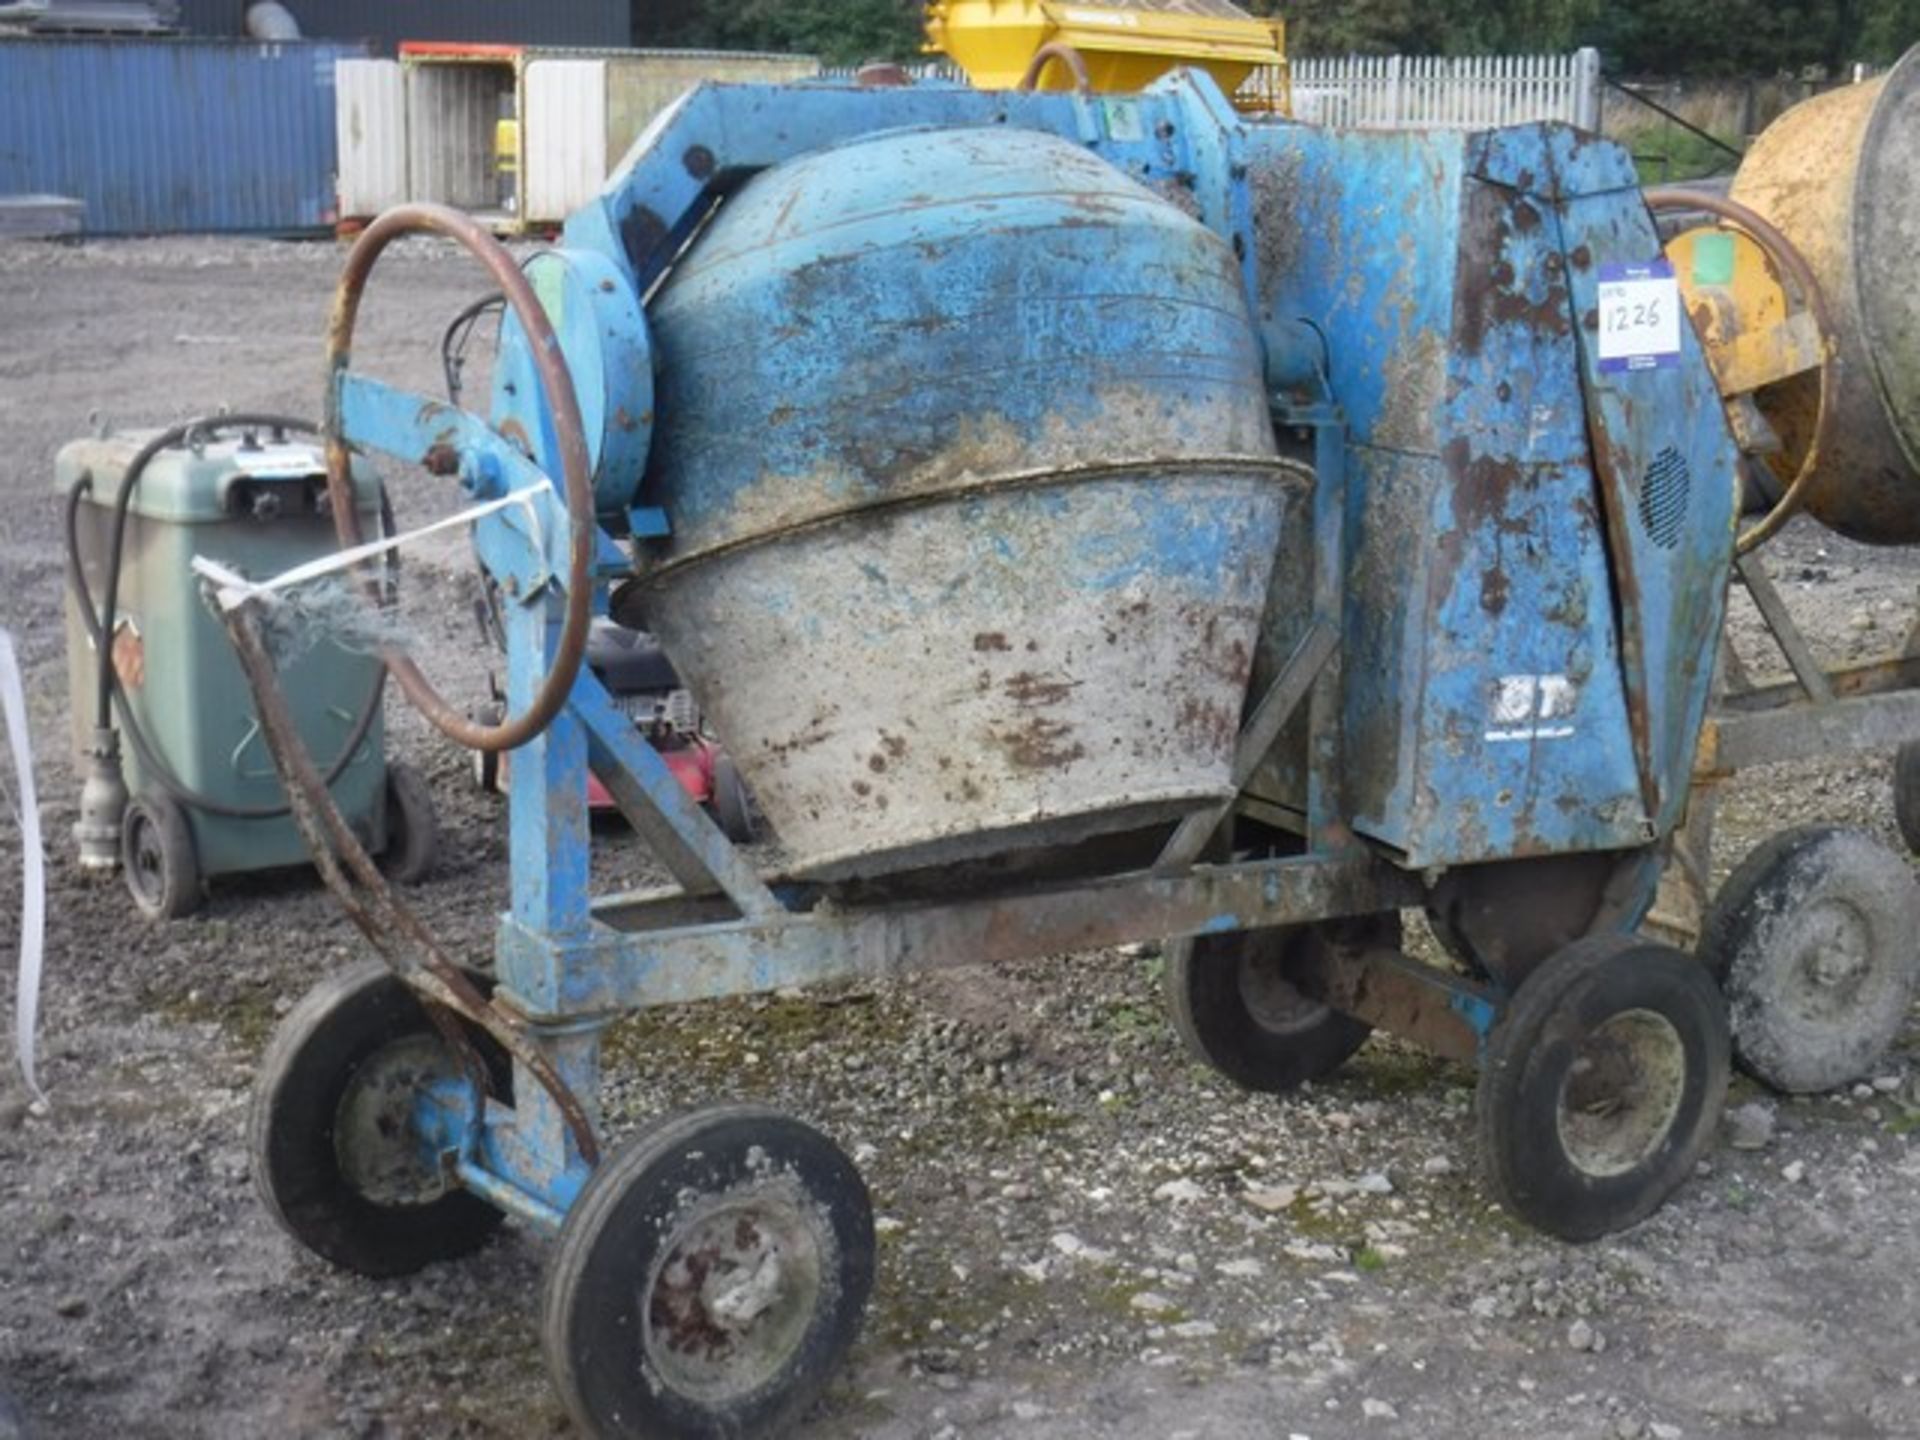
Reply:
x=840 y=32
x=1701 y=37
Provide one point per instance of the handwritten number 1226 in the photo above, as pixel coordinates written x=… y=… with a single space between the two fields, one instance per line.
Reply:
x=1633 y=315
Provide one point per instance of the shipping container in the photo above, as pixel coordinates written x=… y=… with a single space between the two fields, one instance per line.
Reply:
x=382 y=25
x=161 y=136
x=429 y=126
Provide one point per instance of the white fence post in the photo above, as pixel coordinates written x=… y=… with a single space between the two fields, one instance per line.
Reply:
x=1586 y=88
x=1373 y=92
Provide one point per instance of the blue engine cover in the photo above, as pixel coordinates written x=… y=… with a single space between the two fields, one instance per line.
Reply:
x=1538 y=549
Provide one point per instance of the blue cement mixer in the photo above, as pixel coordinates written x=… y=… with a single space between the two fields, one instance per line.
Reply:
x=1085 y=518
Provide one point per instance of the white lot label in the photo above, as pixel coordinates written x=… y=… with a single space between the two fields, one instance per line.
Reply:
x=1531 y=707
x=1639 y=316
x=279 y=462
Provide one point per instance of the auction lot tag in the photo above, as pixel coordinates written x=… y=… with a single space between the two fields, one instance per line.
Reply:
x=1639 y=317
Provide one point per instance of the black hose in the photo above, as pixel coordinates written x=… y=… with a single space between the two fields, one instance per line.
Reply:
x=458 y=334
x=109 y=696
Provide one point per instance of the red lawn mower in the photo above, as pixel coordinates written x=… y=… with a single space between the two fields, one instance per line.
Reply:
x=637 y=673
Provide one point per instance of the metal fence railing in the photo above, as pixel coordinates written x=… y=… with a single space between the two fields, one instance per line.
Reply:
x=1468 y=92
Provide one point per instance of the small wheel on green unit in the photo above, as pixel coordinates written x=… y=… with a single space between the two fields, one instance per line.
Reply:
x=413 y=833
x=731 y=811
x=1906 y=793
x=709 y=1279
x=335 y=1153
x=485 y=767
x=1815 y=939
x=1234 y=1005
x=158 y=859
x=486 y=763
x=1601 y=1084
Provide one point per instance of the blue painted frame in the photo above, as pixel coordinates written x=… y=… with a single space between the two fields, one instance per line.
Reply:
x=1433 y=340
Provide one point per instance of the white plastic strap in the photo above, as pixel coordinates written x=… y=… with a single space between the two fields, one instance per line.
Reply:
x=235 y=590
x=33 y=867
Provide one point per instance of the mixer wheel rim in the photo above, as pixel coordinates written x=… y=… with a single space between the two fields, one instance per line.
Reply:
x=337 y=1031
x=1812 y=937
x=1649 y=1014
x=651 y=1321
x=1212 y=984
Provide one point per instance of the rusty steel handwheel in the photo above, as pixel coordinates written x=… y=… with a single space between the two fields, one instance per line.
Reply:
x=570 y=439
x=1789 y=262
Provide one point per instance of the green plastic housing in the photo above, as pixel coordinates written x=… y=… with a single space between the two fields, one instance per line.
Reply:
x=257 y=509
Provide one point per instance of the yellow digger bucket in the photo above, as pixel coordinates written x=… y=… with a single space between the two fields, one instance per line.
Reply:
x=1124 y=44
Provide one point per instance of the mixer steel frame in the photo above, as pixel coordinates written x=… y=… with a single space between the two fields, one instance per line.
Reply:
x=569 y=963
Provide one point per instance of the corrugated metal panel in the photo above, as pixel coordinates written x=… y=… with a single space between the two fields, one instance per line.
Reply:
x=170 y=135
x=563 y=136
x=371 y=131
x=451 y=112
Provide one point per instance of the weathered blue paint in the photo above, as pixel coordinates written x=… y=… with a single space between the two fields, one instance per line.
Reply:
x=596 y=316
x=1479 y=1012
x=1493 y=700
x=161 y=136
x=1521 y=670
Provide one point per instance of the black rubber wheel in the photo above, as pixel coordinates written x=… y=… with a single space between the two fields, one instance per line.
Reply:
x=1601 y=1085
x=157 y=858
x=1815 y=939
x=330 y=1131
x=413 y=833
x=1232 y=1003
x=731 y=812
x=1906 y=793
x=709 y=1279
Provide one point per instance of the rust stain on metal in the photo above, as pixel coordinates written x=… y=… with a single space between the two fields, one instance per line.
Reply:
x=1498 y=294
x=1042 y=743
x=1033 y=691
x=1493 y=590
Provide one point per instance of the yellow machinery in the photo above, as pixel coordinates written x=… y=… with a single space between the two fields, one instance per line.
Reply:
x=1116 y=45
x=1803 y=289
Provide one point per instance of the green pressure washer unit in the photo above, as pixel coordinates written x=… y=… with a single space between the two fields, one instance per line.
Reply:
x=192 y=792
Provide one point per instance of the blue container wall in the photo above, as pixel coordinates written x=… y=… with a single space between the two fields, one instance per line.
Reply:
x=160 y=136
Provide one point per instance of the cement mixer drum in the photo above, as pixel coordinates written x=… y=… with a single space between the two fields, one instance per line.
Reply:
x=1840 y=177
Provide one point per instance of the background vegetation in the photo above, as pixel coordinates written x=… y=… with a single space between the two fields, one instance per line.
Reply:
x=1667 y=37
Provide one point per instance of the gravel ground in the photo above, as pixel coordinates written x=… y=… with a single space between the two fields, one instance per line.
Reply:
x=1082 y=1233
